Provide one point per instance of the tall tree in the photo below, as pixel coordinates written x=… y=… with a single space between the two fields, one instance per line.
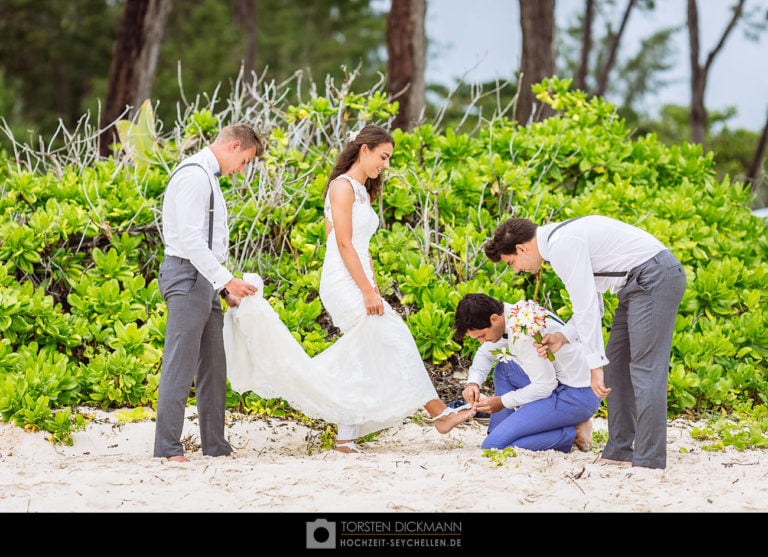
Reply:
x=753 y=174
x=406 y=49
x=586 y=45
x=599 y=70
x=134 y=62
x=245 y=18
x=537 y=20
x=614 y=40
x=699 y=73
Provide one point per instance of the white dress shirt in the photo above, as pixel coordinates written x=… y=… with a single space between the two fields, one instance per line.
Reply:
x=569 y=368
x=186 y=208
x=586 y=246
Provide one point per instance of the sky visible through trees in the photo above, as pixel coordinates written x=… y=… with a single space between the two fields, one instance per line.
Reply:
x=485 y=44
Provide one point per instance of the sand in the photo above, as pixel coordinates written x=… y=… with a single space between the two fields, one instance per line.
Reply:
x=278 y=466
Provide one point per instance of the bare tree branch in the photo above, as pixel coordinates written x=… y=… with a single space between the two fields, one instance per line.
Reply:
x=602 y=82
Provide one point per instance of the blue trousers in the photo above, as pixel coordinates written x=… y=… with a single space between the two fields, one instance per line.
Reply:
x=541 y=425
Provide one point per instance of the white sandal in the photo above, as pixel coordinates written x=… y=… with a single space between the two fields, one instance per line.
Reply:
x=351 y=446
x=451 y=412
x=448 y=411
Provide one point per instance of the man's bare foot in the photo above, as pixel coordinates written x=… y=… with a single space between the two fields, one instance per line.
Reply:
x=178 y=458
x=451 y=417
x=583 y=440
x=610 y=462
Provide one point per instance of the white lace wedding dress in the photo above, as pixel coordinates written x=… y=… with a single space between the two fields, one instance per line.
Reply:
x=372 y=376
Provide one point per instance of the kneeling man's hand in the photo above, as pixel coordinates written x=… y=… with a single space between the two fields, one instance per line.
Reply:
x=491 y=405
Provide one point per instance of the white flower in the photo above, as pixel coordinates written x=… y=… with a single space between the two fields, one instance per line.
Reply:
x=502 y=354
x=352 y=135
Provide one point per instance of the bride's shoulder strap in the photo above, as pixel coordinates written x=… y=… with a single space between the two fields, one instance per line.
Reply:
x=346 y=178
x=358 y=190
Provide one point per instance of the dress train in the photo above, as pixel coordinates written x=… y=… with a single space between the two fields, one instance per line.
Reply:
x=372 y=376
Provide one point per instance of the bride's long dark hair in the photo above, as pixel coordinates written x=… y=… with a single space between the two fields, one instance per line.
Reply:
x=372 y=136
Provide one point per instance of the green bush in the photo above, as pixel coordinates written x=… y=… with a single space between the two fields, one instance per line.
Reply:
x=82 y=321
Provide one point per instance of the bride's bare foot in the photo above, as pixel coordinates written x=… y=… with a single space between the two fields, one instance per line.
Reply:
x=451 y=417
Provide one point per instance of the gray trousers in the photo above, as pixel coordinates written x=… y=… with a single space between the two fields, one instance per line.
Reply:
x=194 y=351
x=638 y=352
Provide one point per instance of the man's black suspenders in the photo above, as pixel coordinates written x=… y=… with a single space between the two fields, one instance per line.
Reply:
x=601 y=273
x=554 y=317
x=210 y=210
x=559 y=226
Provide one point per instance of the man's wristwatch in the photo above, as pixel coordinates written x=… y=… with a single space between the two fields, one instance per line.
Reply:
x=224 y=293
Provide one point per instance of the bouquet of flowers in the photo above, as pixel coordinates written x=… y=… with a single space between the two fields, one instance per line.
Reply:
x=528 y=319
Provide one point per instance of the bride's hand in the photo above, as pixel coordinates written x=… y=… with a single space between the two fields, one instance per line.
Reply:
x=373 y=302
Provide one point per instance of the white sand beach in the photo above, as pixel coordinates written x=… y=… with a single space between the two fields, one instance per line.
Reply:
x=278 y=467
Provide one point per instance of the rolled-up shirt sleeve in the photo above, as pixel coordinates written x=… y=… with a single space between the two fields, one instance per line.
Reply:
x=483 y=361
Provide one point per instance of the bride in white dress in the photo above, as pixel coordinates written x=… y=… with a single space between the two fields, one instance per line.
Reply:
x=373 y=375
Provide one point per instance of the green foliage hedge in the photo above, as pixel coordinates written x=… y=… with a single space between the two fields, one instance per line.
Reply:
x=82 y=321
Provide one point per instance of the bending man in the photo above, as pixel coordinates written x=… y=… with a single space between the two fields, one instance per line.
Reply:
x=592 y=255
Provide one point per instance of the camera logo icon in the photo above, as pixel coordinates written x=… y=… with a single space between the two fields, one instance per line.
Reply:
x=321 y=534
